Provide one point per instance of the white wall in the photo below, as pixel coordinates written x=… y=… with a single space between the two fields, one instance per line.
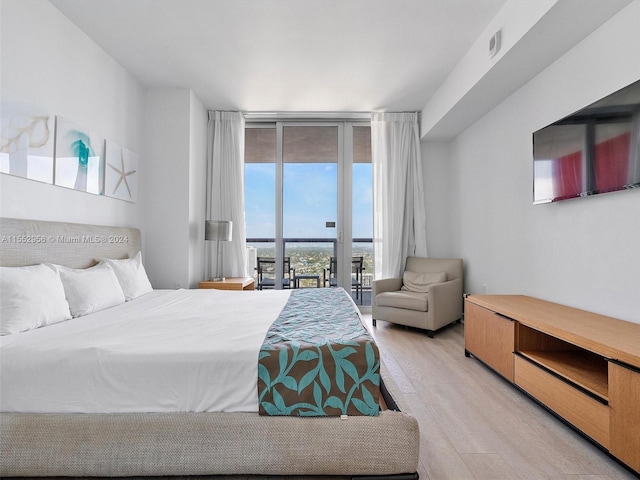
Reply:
x=166 y=219
x=197 y=189
x=48 y=61
x=175 y=139
x=583 y=252
x=438 y=197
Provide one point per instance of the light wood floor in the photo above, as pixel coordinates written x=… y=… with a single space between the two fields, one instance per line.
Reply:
x=473 y=424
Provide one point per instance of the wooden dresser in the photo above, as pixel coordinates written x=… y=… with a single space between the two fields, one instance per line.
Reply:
x=582 y=366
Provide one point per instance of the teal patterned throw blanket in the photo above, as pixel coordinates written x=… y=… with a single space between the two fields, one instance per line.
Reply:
x=318 y=359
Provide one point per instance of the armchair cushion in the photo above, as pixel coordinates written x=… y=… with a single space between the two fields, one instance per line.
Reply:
x=404 y=299
x=420 y=281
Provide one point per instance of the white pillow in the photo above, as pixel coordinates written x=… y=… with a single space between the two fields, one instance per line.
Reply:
x=91 y=289
x=30 y=297
x=131 y=275
x=420 y=281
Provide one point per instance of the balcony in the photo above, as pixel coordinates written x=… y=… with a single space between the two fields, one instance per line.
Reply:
x=310 y=257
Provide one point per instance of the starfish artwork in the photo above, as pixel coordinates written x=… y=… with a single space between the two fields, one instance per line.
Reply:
x=123 y=175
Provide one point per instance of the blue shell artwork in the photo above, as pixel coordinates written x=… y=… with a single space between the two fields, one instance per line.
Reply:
x=81 y=148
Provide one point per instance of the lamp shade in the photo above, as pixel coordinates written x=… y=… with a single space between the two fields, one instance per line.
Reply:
x=219 y=230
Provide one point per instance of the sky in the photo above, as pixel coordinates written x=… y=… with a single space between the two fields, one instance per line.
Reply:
x=310 y=199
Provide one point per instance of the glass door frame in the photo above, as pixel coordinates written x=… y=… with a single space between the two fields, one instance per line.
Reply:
x=344 y=266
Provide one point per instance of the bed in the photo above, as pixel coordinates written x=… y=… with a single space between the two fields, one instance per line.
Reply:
x=42 y=434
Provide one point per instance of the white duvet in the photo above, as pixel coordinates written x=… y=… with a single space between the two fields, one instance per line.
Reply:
x=167 y=351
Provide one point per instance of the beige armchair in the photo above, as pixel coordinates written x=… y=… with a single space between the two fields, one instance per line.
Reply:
x=428 y=296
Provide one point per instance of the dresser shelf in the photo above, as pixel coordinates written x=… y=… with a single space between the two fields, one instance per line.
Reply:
x=582 y=369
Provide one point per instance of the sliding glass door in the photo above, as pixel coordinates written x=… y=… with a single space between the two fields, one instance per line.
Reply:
x=311 y=154
x=307 y=189
x=260 y=199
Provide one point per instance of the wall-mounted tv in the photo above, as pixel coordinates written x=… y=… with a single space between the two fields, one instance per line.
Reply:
x=595 y=150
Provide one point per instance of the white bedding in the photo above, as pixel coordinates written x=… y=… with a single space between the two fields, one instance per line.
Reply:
x=167 y=351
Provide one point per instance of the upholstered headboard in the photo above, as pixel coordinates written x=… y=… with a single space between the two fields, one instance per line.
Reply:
x=29 y=242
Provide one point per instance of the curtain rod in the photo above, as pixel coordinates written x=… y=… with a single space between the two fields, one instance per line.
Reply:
x=254 y=116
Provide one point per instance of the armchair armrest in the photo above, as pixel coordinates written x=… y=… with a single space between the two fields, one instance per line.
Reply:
x=385 y=285
x=445 y=300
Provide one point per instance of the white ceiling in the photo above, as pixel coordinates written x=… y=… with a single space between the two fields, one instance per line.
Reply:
x=289 y=55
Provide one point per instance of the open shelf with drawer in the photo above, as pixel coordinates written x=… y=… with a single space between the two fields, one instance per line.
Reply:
x=582 y=366
x=585 y=370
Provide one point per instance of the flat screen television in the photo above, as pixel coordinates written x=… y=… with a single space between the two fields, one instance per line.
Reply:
x=595 y=150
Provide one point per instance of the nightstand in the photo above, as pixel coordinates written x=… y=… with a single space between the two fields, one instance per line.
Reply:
x=229 y=283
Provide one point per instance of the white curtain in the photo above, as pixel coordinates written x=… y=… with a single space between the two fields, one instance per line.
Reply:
x=225 y=191
x=399 y=227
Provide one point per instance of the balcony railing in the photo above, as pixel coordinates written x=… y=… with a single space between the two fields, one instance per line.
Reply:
x=311 y=256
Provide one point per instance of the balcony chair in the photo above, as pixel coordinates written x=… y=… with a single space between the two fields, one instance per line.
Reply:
x=329 y=275
x=428 y=296
x=266 y=267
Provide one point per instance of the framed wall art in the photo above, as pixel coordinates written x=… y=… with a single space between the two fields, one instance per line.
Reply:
x=121 y=173
x=26 y=139
x=79 y=158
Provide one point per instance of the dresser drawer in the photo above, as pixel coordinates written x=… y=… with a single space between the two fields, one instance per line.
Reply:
x=584 y=412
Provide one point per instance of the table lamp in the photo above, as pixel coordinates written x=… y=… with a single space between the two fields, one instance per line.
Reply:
x=218 y=231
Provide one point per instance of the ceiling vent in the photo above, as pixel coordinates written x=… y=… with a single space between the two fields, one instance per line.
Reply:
x=494 y=44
